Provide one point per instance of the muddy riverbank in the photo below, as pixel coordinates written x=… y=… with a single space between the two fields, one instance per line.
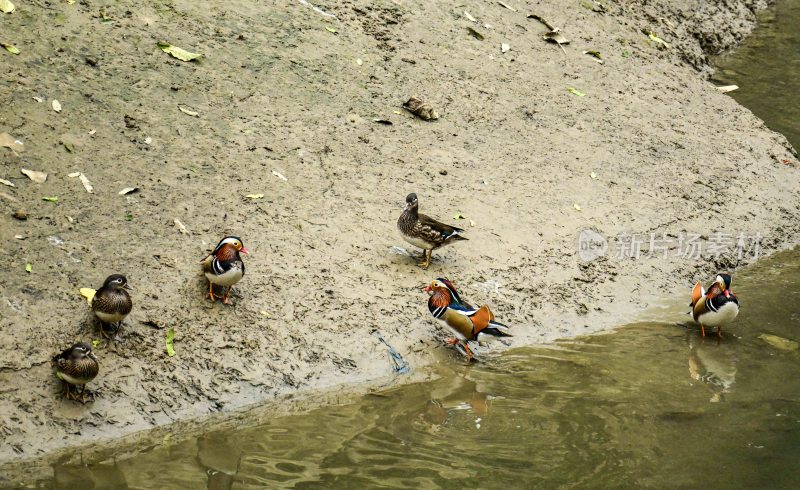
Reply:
x=283 y=104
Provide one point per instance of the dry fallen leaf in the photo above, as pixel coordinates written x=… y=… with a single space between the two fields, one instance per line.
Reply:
x=88 y=293
x=8 y=141
x=727 y=88
x=6 y=6
x=184 y=109
x=477 y=35
x=7 y=182
x=38 y=99
x=577 y=208
x=779 y=342
x=459 y=216
x=128 y=190
x=254 y=196
x=556 y=37
x=73 y=174
x=509 y=7
x=421 y=109
x=265 y=313
x=38 y=177
x=179 y=53
x=86 y=184
x=180 y=226
x=279 y=175
x=505 y=48
x=56 y=105
x=469 y=17
x=593 y=175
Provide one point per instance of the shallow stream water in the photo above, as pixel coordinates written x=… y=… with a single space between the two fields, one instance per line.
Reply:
x=648 y=405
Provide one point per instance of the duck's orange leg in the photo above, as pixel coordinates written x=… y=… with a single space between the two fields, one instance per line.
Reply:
x=211 y=290
x=226 y=301
x=702 y=330
x=469 y=352
x=719 y=333
x=451 y=341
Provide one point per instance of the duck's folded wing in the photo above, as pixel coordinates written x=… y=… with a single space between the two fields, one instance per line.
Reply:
x=436 y=230
x=697 y=293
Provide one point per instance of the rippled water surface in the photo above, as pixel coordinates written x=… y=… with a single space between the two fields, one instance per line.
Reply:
x=767 y=69
x=651 y=405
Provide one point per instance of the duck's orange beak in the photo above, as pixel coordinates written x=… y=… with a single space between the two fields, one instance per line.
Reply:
x=427 y=288
x=727 y=294
x=243 y=250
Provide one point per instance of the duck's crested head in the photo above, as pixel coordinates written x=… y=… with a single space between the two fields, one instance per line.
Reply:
x=116 y=282
x=233 y=241
x=80 y=351
x=411 y=201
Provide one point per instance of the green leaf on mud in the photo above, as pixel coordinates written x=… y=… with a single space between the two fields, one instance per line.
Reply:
x=170 y=338
x=459 y=216
x=576 y=92
x=596 y=55
x=6 y=6
x=10 y=48
x=177 y=52
x=28 y=268
x=660 y=42
x=95 y=343
x=50 y=199
x=104 y=16
x=331 y=29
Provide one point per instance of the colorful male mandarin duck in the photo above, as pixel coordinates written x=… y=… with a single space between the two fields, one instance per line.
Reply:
x=716 y=307
x=467 y=322
x=224 y=266
x=112 y=303
x=77 y=366
x=425 y=232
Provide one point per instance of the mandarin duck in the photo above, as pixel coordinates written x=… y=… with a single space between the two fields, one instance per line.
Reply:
x=468 y=323
x=224 y=266
x=716 y=307
x=425 y=232
x=112 y=303
x=76 y=366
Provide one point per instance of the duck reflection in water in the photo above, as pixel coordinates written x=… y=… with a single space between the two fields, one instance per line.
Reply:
x=461 y=397
x=713 y=363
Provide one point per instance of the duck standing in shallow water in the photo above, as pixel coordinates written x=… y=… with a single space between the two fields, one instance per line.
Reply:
x=716 y=307
x=425 y=232
x=77 y=366
x=468 y=323
x=112 y=303
x=224 y=266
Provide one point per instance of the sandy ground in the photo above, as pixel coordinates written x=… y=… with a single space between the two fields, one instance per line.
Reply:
x=277 y=93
